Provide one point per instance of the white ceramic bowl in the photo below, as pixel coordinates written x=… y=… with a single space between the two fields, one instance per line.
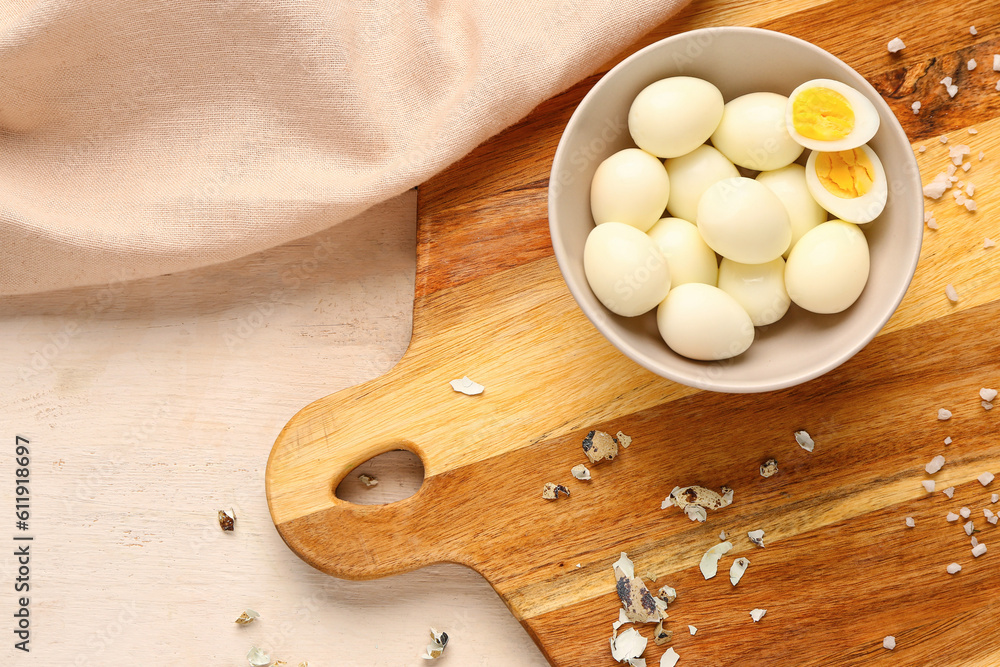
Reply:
x=802 y=345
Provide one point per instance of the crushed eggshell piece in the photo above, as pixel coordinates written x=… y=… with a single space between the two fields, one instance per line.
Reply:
x=368 y=480
x=757 y=614
x=709 y=564
x=737 y=570
x=580 y=472
x=257 y=657
x=637 y=601
x=757 y=537
x=768 y=468
x=467 y=386
x=434 y=650
x=599 y=446
x=661 y=635
x=623 y=440
x=693 y=630
x=695 y=500
x=551 y=491
x=804 y=440
x=670 y=658
x=667 y=593
x=247 y=617
x=629 y=644
x=227 y=520
x=723 y=535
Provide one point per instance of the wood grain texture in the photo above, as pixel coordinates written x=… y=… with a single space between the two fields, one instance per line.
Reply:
x=841 y=570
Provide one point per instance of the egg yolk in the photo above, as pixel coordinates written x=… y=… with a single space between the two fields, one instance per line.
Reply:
x=822 y=114
x=846 y=174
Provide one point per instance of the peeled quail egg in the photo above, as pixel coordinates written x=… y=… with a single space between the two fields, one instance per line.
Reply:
x=673 y=116
x=789 y=185
x=828 y=268
x=702 y=322
x=827 y=115
x=689 y=257
x=741 y=219
x=850 y=184
x=691 y=174
x=626 y=271
x=759 y=288
x=630 y=186
x=753 y=133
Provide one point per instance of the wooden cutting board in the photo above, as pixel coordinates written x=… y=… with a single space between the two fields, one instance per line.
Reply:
x=840 y=570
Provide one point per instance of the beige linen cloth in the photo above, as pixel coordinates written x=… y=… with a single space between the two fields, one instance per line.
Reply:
x=140 y=137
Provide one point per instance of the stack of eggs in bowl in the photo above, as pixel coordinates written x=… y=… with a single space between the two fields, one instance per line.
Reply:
x=716 y=196
x=635 y=260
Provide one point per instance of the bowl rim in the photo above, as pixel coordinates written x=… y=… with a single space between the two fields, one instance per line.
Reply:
x=721 y=385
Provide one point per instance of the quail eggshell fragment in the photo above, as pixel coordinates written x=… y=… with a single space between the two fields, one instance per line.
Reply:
x=673 y=116
x=849 y=184
x=704 y=323
x=753 y=133
x=741 y=219
x=692 y=174
x=688 y=256
x=789 y=185
x=625 y=269
x=759 y=288
x=828 y=268
x=632 y=187
x=827 y=115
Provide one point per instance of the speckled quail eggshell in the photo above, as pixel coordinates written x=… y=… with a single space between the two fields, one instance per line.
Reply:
x=759 y=288
x=625 y=269
x=692 y=174
x=789 y=185
x=741 y=219
x=858 y=210
x=753 y=135
x=673 y=116
x=828 y=268
x=689 y=257
x=632 y=187
x=702 y=322
x=866 y=118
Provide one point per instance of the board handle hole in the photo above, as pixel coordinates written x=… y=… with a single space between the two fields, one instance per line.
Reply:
x=400 y=473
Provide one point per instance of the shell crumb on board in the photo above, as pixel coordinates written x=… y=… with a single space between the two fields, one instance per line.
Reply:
x=623 y=440
x=368 y=480
x=737 y=570
x=670 y=658
x=709 y=564
x=551 y=491
x=694 y=501
x=257 y=657
x=600 y=446
x=227 y=520
x=661 y=635
x=768 y=468
x=247 y=617
x=581 y=472
x=434 y=650
x=757 y=614
x=467 y=386
x=757 y=537
x=805 y=440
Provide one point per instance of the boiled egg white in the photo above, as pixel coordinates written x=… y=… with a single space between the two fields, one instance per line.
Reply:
x=828 y=268
x=789 y=185
x=630 y=186
x=625 y=269
x=759 y=288
x=741 y=219
x=673 y=116
x=691 y=174
x=753 y=133
x=850 y=184
x=827 y=115
x=702 y=322
x=689 y=257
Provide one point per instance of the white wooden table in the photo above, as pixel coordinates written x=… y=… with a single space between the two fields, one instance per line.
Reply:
x=151 y=405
